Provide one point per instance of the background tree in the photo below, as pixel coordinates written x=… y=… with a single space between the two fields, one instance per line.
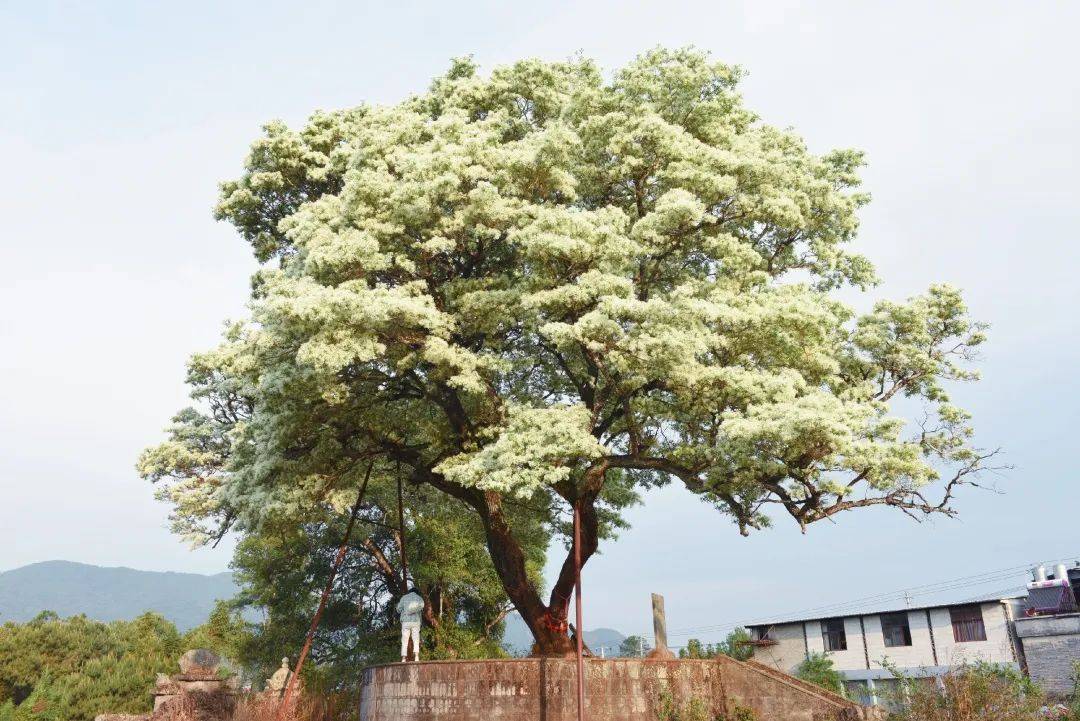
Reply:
x=289 y=553
x=226 y=633
x=550 y=288
x=77 y=667
x=74 y=669
x=278 y=567
x=736 y=645
x=696 y=649
x=634 y=646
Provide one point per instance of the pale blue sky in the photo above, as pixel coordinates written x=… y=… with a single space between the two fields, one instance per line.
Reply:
x=119 y=118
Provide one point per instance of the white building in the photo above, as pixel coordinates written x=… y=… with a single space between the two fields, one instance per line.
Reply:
x=922 y=642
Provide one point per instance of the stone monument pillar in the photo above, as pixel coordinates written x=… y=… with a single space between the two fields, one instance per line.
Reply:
x=660 y=647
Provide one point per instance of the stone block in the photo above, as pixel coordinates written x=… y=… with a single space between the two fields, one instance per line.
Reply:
x=200 y=662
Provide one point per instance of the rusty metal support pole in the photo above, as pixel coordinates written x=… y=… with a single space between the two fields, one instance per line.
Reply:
x=401 y=533
x=577 y=621
x=291 y=686
x=404 y=556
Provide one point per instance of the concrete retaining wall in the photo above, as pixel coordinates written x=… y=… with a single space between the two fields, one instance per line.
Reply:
x=1051 y=646
x=617 y=690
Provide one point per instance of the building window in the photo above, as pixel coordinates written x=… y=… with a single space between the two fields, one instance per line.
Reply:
x=759 y=633
x=832 y=631
x=895 y=629
x=967 y=623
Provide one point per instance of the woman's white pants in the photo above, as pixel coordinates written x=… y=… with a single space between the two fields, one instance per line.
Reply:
x=410 y=630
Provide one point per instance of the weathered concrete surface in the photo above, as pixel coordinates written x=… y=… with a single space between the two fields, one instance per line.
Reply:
x=199 y=678
x=197 y=706
x=200 y=662
x=616 y=690
x=1051 y=645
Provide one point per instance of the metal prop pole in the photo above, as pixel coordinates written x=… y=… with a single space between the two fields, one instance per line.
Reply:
x=291 y=686
x=577 y=601
x=401 y=533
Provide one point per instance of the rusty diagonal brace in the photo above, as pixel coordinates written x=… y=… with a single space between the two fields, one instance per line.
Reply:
x=291 y=687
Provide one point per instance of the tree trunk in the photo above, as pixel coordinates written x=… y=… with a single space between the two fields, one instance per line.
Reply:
x=563 y=590
x=548 y=623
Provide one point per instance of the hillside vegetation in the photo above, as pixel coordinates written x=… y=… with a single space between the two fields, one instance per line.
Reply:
x=54 y=669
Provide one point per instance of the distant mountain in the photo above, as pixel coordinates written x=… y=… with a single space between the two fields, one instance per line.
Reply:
x=518 y=640
x=110 y=594
x=186 y=599
x=608 y=638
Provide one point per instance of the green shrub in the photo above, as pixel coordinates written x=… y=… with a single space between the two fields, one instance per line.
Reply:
x=976 y=692
x=818 y=669
x=1074 y=701
x=74 y=669
x=736 y=645
x=697 y=710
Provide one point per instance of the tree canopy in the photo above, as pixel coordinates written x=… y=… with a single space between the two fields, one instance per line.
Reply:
x=634 y=646
x=549 y=288
x=736 y=645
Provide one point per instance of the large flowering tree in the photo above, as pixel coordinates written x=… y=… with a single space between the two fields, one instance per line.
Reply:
x=546 y=288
